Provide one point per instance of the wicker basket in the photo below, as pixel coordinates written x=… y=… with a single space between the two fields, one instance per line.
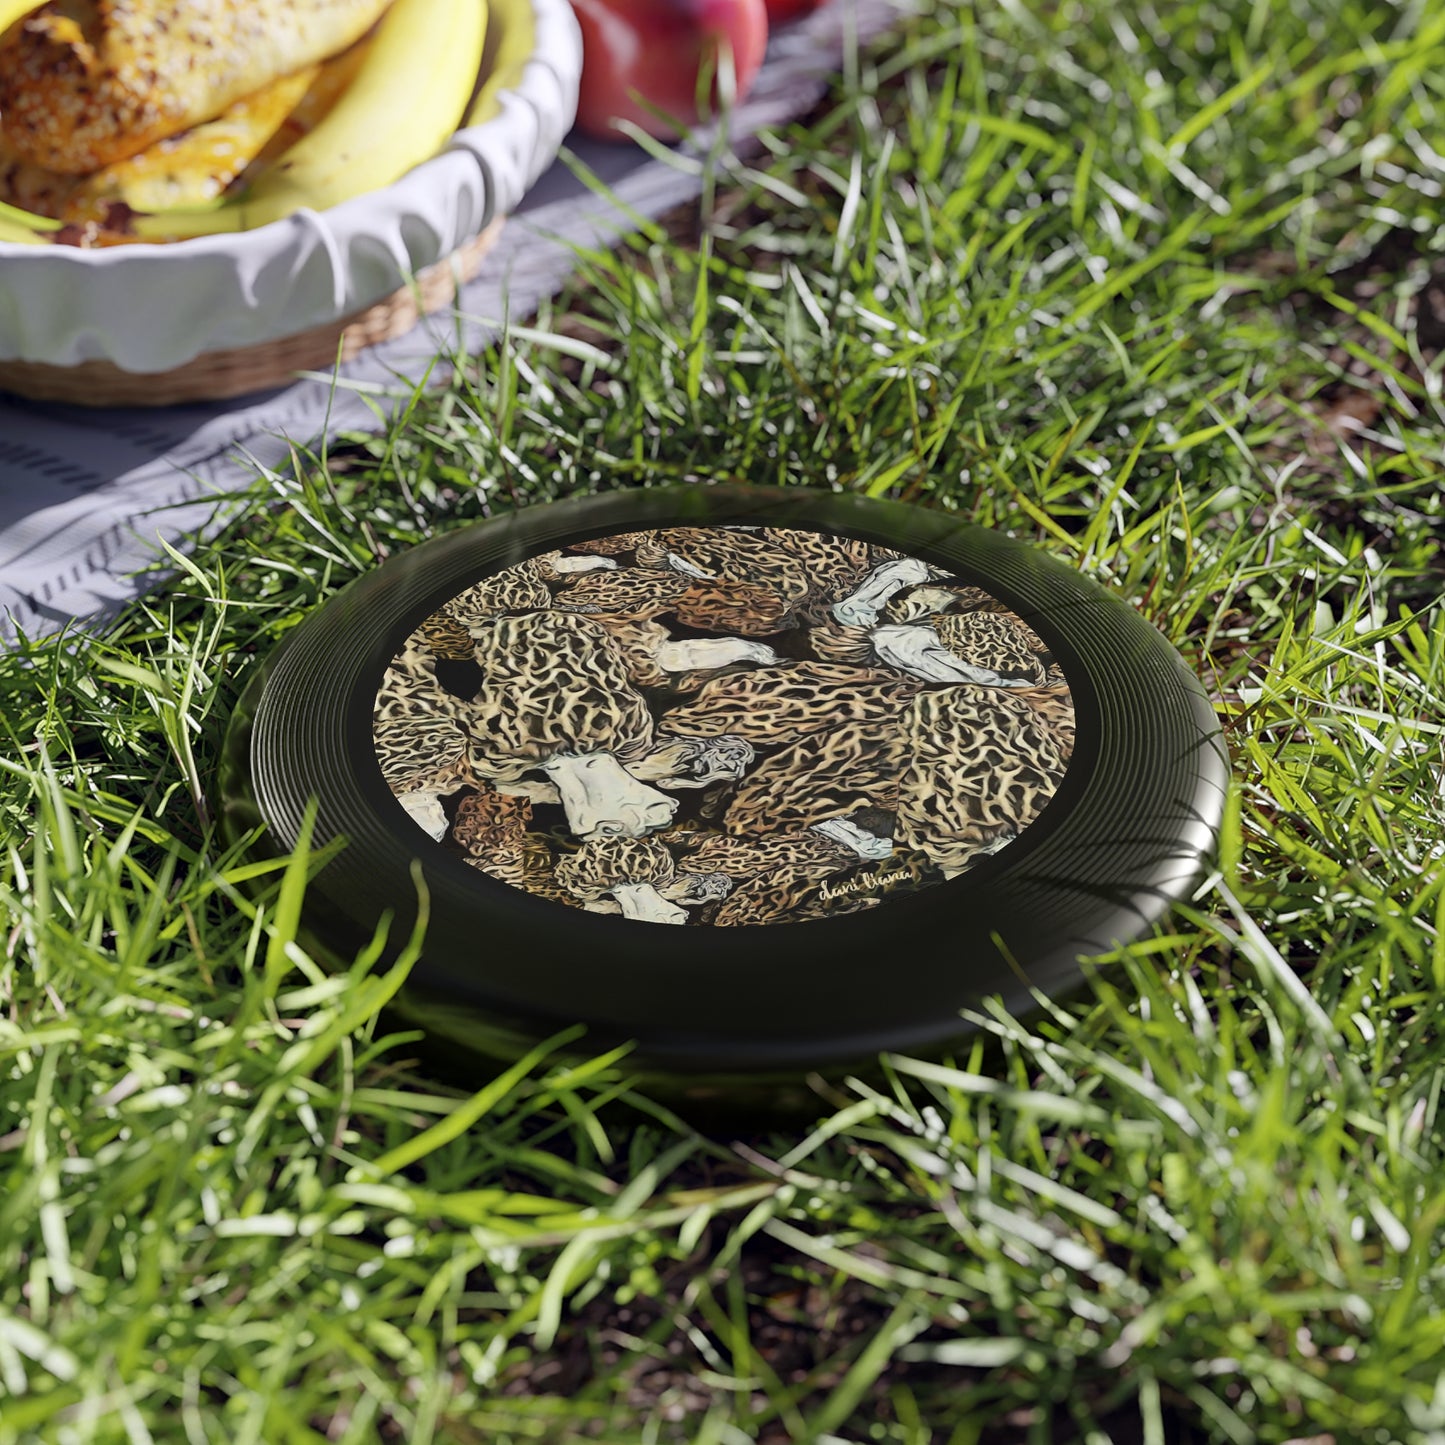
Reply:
x=218 y=375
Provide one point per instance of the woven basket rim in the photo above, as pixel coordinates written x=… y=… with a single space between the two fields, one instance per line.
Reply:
x=240 y=371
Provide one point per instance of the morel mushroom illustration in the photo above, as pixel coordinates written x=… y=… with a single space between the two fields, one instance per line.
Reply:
x=609 y=546
x=779 y=704
x=1053 y=707
x=916 y=603
x=794 y=892
x=445 y=636
x=940 y=634
x=741 y=858
x=854 y=642
x=709 y=604
x=555 y=699
x=807 y=889
x=992 y=649
x=552 y=565
x=654 y=658
x=978 y=767
x=861 y=607
x=793 y=874
x=628 y=871
x=829 y=640
x=424 y=807
x=420 y=743
x=852 y=834
x=514 y=589
x=677 y=762
x=521 y=587
x=706 y=654
x=827 y=781
x=493 y=832
x=641 y=592
x=672 y=763
x=752 y=581
x=755 y=581
x=691 y=889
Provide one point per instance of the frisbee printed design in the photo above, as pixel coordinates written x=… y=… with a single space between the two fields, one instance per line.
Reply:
x=723 y=725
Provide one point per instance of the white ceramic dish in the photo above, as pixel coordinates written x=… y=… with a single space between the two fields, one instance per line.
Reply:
x=152 y=308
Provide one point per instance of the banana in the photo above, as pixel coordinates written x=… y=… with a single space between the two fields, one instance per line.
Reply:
x=511 y=38
x=409 y=95
x=13 y=10
x=23 y=228
x=331 y=84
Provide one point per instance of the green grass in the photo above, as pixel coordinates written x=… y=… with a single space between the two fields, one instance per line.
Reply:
x=1152 y=291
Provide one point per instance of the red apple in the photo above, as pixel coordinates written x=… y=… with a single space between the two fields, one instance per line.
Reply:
x=781 y=11
x=655 y=51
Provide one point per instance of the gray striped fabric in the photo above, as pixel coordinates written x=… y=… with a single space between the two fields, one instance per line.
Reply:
x=86 y=495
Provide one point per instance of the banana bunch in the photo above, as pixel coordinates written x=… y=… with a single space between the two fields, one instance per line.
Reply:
x=331 y=129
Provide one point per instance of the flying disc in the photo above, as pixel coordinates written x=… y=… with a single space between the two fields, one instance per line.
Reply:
x=758 y=781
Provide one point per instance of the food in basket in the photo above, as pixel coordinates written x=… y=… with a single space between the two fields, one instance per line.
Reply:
x=189 y=169
x=86 y=83
x=20 y=227
x=644 y=61
x=409 y=94
x=333 y=127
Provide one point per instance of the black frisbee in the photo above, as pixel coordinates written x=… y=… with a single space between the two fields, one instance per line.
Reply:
x=762 y=781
